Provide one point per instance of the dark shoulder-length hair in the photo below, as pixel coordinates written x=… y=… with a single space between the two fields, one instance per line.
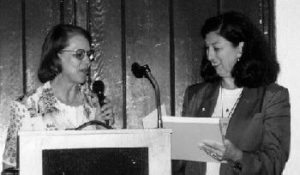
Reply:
x=56 y=40
x=257 y=66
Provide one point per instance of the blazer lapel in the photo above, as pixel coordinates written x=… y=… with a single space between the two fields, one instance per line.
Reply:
x=209 y=100
x=248 y=105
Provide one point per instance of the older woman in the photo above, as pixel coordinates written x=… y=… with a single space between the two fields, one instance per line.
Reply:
x=64 y=100
x=239 y=71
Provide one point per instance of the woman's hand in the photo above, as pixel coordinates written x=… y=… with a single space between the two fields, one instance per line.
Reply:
x=106 y=112
x=221 y=151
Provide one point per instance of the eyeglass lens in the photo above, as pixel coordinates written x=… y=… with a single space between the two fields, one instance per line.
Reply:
x=80 y=53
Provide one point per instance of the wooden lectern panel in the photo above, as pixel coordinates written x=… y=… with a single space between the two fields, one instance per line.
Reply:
x=113 y=152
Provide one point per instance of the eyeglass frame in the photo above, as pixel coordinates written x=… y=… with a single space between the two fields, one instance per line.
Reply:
x=90 y=53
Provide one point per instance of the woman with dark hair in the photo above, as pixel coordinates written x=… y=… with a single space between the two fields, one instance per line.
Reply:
x=239 y=72
x=64 y=101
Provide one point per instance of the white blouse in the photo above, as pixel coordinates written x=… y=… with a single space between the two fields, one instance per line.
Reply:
x=225 y=106
x=42 y=111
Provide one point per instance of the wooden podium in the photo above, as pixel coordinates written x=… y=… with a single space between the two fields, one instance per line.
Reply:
x=111 y=152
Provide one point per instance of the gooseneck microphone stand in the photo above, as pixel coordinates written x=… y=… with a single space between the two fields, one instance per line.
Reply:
x=144 y=71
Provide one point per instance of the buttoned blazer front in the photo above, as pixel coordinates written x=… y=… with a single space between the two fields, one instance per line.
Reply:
x=259 y=126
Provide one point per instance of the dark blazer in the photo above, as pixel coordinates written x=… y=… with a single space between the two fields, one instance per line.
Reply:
x=259 y=126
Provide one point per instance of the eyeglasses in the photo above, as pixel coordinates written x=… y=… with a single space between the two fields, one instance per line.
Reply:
x=80 y=53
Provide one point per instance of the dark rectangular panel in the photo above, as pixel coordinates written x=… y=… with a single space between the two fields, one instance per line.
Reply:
x=39 y=17
x=96 y=161
x=147 y=42
x=189 y=16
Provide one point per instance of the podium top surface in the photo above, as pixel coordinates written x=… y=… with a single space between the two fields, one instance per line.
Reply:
x=93 y=132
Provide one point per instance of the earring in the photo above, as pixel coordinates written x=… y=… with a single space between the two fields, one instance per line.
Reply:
x=238 y=57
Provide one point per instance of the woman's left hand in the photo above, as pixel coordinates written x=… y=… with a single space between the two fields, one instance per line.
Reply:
x=222 y=151
x=106 y=112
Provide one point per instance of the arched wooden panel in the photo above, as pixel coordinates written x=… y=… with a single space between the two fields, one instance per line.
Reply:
x=39 y=17
x=188 y=20
x=147 y=42
x=106 y=31
x=11 y=79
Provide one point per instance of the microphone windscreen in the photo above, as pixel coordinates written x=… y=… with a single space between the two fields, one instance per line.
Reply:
x=137 y=70
x=98 y=87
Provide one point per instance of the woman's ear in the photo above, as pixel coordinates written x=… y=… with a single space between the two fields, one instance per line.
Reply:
x=58 y=62
x=240 y=49
x=59 y=55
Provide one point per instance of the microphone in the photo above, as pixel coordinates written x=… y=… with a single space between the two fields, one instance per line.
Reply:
x=144 y=71
x=140 y=71
x=98 y=88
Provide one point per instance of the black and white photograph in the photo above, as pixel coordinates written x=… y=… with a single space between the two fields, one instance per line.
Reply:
x=149 y=87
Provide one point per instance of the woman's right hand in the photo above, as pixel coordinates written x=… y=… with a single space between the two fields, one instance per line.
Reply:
x=105 y=113
x=221 y=151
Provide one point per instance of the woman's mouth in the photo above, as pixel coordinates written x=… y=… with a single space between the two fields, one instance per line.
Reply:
x=214 y=64
x=84 y=71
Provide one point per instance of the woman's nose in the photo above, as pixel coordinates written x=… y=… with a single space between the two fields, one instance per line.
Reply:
x=86 y=60
x=210 y=54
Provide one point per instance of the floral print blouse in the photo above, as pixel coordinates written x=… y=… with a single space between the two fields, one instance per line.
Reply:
x=42 y=111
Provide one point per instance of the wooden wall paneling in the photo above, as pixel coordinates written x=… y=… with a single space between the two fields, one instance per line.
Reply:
x=40 y=16
x=265 y=17
x=188 y=20
x=11 y=79
x=268 y=21
x=81 y=13
x=147 y=42
x=261 y=12
x=69 y=11
x=123 y=57
x=106 y=32
x=250 y=8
